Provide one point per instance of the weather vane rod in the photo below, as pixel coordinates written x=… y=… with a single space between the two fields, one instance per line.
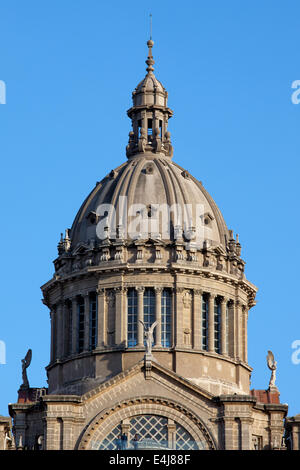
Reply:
x=150 y=26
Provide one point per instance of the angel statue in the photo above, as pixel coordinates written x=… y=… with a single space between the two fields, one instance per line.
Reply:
x=148 y=333
x=272 y=364
x=25 y=364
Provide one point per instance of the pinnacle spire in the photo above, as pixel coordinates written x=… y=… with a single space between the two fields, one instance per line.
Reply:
x=149 y=115
x=150 y=62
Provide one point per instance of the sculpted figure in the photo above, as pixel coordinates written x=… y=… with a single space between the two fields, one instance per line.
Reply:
x=272 y=364
x=25 y=364
x=148 y=333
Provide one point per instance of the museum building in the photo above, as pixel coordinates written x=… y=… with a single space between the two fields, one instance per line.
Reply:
x=149 y=306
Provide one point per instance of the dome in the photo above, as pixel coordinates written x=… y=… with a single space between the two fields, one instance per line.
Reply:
x=149 y=248
x=150 y=83
x=160 y=188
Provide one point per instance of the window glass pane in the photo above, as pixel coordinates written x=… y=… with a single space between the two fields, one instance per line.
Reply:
x=149 y=309
x=131 y=318
x=217 y=324
x=93 y=320
x=166 y=309
x=204 y=321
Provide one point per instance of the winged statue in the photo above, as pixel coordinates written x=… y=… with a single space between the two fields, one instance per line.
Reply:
x=148 y=333
x=272 y=364
x=25 y=364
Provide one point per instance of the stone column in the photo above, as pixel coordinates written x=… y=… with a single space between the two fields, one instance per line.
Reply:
x=74 y=325
x=231 y=328
x=245 y=333
x=158 y=292
x=229 y=425
x=171 y=434
x=59 y=330
x=246 y=433
x=237 y=309
x=295 y=438
x=178 y=317
x=211 y=322
x=197 y=319
x=52 y=345
x=86 y=321
x=68 y=425
x=65 y=329
x=120 y=316
x=224 y=351
x=102 y=327
x=140 y=294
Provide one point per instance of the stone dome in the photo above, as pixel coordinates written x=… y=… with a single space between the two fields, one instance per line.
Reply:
x=149 y=248
x=156 y=185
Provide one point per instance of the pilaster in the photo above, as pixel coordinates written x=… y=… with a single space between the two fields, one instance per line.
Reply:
x=101 y=305
x=197 y=323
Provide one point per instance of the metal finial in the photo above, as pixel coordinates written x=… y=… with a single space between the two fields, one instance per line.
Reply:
x=150 y=26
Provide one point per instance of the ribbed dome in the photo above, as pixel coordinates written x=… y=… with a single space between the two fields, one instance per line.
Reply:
x=150 y=83
x=148 y=181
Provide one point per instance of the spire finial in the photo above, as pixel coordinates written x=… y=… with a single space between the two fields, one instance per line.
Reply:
x=150 y=62
x=150 y=44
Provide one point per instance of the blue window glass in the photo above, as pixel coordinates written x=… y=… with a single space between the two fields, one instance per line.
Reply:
x=217 y=325
x=132 y=314
x=204 y=321
x=149 y=308
x=166 y=309
x=93 y=321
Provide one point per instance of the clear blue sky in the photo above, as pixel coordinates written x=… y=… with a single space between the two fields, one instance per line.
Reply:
x=70 y=67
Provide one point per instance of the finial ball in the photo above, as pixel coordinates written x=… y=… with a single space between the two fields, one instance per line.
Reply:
x=150 y=43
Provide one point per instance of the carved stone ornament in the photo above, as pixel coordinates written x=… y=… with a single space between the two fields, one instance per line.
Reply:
x=272 y=364
x=25 y=364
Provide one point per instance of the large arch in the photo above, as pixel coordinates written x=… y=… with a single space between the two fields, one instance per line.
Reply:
x=102 y=424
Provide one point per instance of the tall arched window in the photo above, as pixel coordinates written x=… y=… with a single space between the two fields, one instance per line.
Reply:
x=80 y=323
x=93 y=321
x=149 y=309
x=166 y=316
x=217 y=325
x=204 y=321
x=132 y=318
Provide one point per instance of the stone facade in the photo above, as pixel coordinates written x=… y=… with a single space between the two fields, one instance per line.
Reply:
x=193 y=391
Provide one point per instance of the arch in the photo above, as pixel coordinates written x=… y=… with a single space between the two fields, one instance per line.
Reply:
x=100 y=426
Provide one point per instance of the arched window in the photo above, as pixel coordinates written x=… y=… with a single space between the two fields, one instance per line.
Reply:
x=204 y=321
x=149 y=432
x=93 y=321
x=80 y=323
x=149 y=307
x=166 y=315
x=217 y=325
x=132 y=315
